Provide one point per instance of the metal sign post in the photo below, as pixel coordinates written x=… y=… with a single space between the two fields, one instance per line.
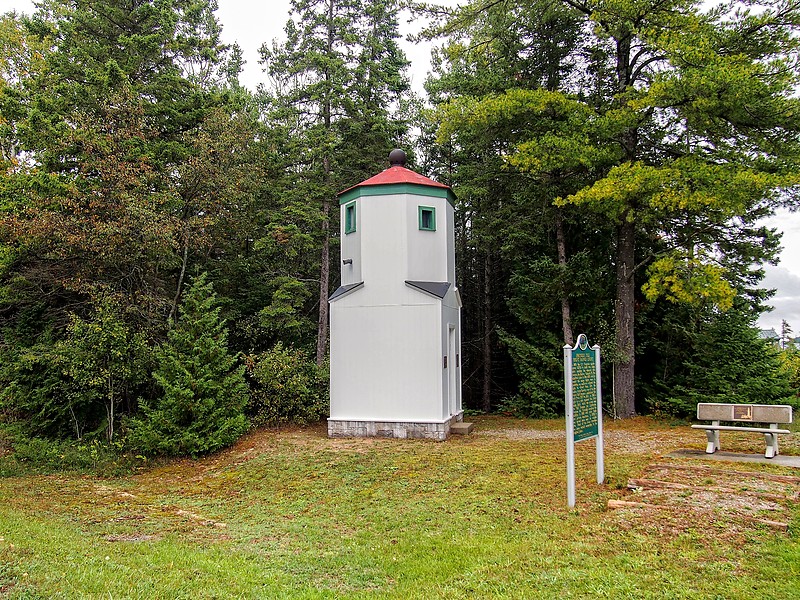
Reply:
x=584 y=406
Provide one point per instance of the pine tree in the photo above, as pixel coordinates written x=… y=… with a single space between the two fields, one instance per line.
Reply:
x=683 y=129
x=729 y=363
x=787 y=338
x=334 y=84
x=204 y=391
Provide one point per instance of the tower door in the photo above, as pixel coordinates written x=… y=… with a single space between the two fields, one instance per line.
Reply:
x=452 y=372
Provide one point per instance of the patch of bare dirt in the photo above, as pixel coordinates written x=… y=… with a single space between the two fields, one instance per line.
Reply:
x=199 y=519
x=523 y=434
x=132 y=538
x=115 y=494
x=718 y=502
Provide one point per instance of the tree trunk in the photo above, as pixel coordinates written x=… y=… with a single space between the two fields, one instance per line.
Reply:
x=324 y=278
x=624 y=390
x=110 y=411
x=173 y=311
x=624 y=395
x=325 y=267
x=566 y=313
x=78 y=430
x=486 y=401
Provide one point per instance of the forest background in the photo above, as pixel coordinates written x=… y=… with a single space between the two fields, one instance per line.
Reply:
x=168 y=237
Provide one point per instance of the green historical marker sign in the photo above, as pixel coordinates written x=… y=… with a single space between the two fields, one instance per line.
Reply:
x=584 y=393
x=583 y=406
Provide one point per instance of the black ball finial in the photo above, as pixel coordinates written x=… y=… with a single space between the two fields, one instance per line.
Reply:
x=397 y=158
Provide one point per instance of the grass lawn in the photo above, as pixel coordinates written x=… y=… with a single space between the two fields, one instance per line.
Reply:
x=293 y=514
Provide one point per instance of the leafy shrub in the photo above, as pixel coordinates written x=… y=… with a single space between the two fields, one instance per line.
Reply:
x=105 y=361
x=74 y=386
x=790 y=367
x=286 y=386
x=32 y=454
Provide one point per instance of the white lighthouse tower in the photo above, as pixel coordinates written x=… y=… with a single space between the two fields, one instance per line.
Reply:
x=395 y=320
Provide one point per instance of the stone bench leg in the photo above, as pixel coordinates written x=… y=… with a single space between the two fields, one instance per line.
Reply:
x=772 y=443
x=713 y=439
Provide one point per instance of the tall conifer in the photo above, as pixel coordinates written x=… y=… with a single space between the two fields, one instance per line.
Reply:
x=335 y=84
x=683 y=128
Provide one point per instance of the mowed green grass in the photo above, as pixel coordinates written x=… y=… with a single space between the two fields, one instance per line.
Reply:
x=292 y=514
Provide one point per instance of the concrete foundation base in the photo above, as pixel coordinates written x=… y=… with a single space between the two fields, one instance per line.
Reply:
x=392 y=429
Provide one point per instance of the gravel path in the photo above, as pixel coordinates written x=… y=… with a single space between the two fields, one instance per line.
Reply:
x=623 y=440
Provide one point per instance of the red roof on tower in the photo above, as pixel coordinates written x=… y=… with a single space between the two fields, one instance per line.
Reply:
x=397 y=173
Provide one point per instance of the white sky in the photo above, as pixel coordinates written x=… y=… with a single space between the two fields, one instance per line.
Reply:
x=253 y=22
x=786 y=276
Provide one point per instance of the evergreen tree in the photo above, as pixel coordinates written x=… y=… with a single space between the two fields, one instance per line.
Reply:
x=204 y=391
x=103 y=123
x=727 y=362
x=682 y=128
x=36 y=393
x=787 y=337
x=334 y=85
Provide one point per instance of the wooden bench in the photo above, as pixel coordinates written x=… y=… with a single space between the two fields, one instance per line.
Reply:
x=762 y=414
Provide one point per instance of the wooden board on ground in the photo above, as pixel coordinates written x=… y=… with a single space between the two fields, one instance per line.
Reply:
x=703 y=497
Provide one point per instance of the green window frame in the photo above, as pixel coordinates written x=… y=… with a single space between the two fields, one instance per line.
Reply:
x=350 y=217
x=427 y=218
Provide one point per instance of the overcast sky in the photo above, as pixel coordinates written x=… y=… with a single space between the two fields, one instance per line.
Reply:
x=786 y=276
x=253 y=22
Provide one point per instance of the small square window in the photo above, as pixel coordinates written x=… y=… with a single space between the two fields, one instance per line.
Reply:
x=427 y=218
x=350 y=217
